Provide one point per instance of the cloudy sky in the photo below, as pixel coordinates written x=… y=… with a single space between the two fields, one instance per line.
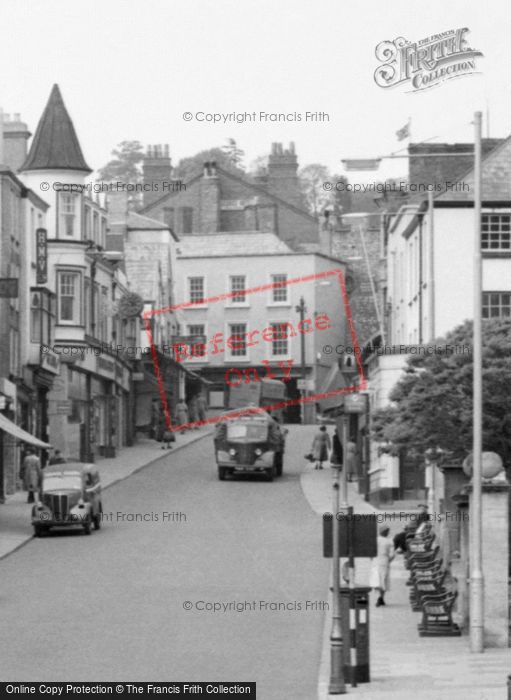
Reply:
x=129 y=70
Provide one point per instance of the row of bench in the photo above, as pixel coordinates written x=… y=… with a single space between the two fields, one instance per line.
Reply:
x=429 y=592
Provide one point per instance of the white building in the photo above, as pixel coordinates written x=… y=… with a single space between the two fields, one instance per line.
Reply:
x=429 y=289
x=222 y=268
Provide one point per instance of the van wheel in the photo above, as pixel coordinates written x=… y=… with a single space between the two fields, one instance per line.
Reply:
x=270 y=473
x=97 y=518
x=222 y=473
x=87 y=526
x=278 y=464
x=39 y=531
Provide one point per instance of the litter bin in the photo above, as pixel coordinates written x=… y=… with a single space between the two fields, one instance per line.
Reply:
x=362 y=632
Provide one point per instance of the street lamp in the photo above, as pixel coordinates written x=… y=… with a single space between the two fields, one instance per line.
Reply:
x=301 y=309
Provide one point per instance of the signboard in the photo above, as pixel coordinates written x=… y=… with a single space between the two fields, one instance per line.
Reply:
x=355 y=403
x=8 y=287
x=41 y=256
x=364 y=534
x=50 y=361
x=138 y=376
x=63 y=407
x=305 y=384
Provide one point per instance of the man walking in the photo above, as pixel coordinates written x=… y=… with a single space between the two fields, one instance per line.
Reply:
x=32 y=474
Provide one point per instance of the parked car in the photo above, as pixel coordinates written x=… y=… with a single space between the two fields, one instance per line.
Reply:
x=70 y=496
x=252 y=443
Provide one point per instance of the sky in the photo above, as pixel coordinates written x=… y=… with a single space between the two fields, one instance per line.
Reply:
x=130 y=70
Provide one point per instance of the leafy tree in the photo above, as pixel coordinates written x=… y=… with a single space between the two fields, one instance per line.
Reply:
x=432 y=403
x=233 y=153
x=312 y=178
x=125 y=164
x=342 y=198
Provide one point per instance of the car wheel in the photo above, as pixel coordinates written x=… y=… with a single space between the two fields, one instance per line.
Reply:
x=222 y=473
x=279 y=459
x=270 y=473
x=97 y=518
x=38 y=531
x=87 y=526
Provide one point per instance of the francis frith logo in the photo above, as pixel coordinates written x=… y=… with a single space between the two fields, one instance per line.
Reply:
x=427 y=62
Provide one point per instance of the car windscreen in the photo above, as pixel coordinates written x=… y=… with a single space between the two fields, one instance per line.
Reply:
x=66 y=482
x=250 y=431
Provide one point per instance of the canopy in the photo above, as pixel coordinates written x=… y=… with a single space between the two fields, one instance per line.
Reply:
x=17 y=432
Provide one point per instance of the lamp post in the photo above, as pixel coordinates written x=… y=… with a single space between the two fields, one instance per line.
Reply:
x=301 y=309
x=476 y=572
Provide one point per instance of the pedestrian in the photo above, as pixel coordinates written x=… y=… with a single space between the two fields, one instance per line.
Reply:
x=320 y=447
x=380 y=572
x=423 y=516
x=351 y=460
x=400 y=545
x=32 y=474
x=194 y=413
x=336 y=456
x=182 y=413
x=202 y=406
x=166 y=439
x=57 y=458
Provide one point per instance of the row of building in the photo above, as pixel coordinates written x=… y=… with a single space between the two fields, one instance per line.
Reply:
x=81 y=270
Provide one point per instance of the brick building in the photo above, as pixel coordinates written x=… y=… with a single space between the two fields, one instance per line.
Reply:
x=218 y=201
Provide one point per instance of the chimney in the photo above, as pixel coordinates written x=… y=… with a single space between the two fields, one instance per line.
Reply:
x=13 y=151
x=157 y=170
x=209 y=201
x=283 y=173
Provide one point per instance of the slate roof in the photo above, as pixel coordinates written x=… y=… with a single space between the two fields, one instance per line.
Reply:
x=55 y=145
x=139 y=222
x=496 y=176
x=217 y=245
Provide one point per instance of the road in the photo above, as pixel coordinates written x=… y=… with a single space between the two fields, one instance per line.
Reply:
x=110 y=607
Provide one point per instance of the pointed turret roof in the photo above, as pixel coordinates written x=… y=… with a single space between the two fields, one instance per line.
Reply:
x=55 y=145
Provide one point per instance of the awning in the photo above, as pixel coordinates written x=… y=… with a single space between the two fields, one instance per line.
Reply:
x=334 y=381
x=19 y=433
x=197 y=376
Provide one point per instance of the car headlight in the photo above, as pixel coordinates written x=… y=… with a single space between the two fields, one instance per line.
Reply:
x=258 y=451
x=81 y=503
x=232 y=452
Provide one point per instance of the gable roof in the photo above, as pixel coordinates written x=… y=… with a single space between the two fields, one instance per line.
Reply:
x=218 y=245
x=496 y=178
x=55 y=145
x=247 y=183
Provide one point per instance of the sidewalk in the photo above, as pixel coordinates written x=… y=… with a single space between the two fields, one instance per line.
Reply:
x=402 y=664
x=15 y=527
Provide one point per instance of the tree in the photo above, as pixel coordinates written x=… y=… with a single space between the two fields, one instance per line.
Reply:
x=125 y=164
x=312 y=180
x=432 y=404
x=342 y=199
x=233 y=153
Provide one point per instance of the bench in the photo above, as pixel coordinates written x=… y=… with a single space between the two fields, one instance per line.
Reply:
x=437 y=615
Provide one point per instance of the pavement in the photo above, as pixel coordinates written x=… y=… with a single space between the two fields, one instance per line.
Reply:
x=15 y=526
x=402 y=664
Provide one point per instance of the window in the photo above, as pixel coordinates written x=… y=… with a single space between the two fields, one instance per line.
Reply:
x=279 y=344
x=168 y=216
x=496 y=304
x=102 y=242
x=67 y=213
x=14 y=359
x=187 y=219
x=239 y=342
x=496 y=232
x=238 y=285
x=197 y=329
x=41 y=316
x=86 y=305
x=87 y=224
x=196 y=289
x=279 y=289
x=95 y=227
x=69 y=297
x=103 y=316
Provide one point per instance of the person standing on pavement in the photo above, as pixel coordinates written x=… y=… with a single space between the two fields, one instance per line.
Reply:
x=32 y=474
x=336 y=456
x=320 y=447
x=194 y=412
x=202 y=406
x=380 y=572
x=182 y=413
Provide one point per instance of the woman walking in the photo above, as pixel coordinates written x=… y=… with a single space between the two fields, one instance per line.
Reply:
x=320 y=447
x=380 y=573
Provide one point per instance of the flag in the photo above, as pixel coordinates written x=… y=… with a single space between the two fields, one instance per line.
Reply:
x=404 y=132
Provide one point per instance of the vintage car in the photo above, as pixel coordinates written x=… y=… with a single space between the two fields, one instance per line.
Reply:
x=252 y=443
x=70 y=496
